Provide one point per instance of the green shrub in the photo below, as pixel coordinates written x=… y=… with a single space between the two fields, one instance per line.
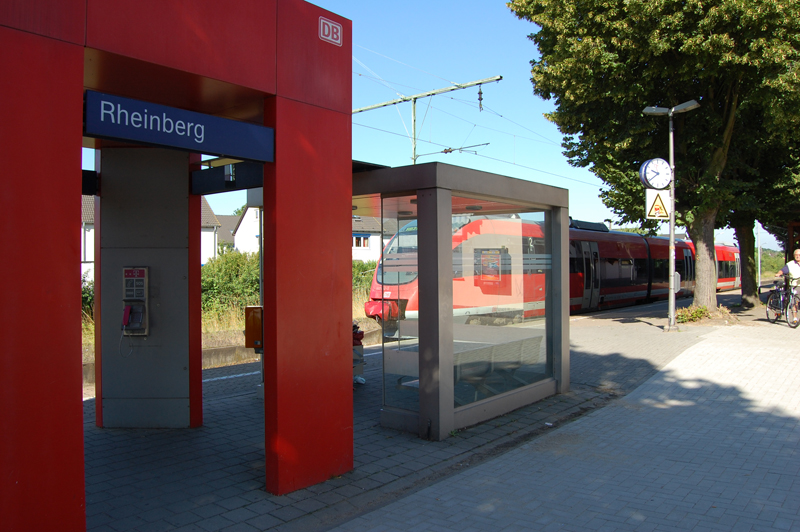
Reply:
x=87 y=296
x=691 y=313
x=771 y=261
x=229 y=281
x=362 y=274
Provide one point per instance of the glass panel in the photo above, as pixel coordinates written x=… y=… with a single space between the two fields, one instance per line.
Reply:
x=396 y=277
x=501 y=273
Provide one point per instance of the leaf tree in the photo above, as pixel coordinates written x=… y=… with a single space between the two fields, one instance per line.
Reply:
x=768 y=165
x=603 y=61
x=240 y=210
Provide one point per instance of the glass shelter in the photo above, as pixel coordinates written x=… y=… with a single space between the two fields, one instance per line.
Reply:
x=471 y=291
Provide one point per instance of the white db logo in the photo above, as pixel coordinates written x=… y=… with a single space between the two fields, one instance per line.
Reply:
x=330 y=31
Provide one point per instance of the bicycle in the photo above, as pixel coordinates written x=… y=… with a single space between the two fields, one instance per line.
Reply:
x=784 y=302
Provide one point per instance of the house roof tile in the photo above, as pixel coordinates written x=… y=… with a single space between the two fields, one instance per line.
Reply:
x=87 y=209
x=207 y=216
x=228 y=224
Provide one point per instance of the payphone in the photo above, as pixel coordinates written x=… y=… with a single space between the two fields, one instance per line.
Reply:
x=135 y=301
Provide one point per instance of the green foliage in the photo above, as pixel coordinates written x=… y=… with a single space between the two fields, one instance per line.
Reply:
x=771 y=261
x=87 y=296
x=224 y=247
x=690 y=314
x=240 y=210
x=362 y=274
x=230 y=281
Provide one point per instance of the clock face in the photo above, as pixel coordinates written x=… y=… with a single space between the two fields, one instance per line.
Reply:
x=656 y=173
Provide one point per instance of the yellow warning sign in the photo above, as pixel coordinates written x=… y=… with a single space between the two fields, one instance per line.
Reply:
x=656 y=207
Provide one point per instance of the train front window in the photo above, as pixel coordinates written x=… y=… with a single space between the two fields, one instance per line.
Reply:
x=399 y=263
x=397 y=274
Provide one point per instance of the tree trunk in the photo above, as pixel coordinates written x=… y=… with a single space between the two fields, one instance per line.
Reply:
x=702 y=233
x=747 y=258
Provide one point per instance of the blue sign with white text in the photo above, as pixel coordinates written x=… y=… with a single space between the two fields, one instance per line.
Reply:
x=113 y=117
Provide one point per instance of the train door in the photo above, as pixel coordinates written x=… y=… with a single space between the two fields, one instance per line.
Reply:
x=737 y=280
x=591 y=281
x=687 y=280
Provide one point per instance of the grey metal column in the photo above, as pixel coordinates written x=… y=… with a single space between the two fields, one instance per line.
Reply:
x=435 y=266
x=145 y=222
x=558 y=303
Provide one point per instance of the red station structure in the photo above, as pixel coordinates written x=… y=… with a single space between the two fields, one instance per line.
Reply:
x=285 y=64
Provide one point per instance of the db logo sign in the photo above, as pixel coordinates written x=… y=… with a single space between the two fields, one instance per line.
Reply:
x=330 y=31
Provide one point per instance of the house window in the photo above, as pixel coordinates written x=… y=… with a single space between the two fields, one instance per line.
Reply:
x=360 y=241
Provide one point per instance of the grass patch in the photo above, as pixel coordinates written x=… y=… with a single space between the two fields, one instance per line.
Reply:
x=695 y=313
x=691 y=314
x=223 y=326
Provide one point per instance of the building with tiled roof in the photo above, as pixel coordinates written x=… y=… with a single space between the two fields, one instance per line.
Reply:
x=87 y=237
x=209 y=232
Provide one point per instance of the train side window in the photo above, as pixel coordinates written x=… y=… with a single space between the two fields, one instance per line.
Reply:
x=458 y=265
x=575 y=263
x=587 y=268
x=533 y=251
x=627 y=273
x=640 y=267
x=725 y=269
x=617 y=272
x=660 y=270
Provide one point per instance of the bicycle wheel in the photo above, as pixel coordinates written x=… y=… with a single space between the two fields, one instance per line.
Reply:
x=774 y=307
x=793 y=312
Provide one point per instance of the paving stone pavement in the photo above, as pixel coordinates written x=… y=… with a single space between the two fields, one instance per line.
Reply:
x=212 y=478
x=709 y=442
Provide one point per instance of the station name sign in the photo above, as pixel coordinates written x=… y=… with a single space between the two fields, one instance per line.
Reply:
x=113 y=117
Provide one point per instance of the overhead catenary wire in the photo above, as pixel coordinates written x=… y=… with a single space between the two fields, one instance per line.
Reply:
x=413 y=99
x=407 y=65
x=480 y=106
x=470 y=103
x=547 y=140
x=378 y=77
x=379 y=81
x=485 y=156
x=492 y=111
x=462 y=149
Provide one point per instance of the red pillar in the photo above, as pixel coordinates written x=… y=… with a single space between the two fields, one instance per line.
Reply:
x=41 y=419
x=195 y=313
x=308 y=400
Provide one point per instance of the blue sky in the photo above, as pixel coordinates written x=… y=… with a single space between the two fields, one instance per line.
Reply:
x=410 y=47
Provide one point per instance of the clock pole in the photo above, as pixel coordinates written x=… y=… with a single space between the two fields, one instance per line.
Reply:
x=680 y=108
x=672 y=325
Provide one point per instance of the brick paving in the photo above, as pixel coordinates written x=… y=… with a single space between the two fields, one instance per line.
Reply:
x=530 y=468
x=709 y=442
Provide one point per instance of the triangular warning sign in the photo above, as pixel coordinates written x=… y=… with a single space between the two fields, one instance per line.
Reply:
x=657 y=208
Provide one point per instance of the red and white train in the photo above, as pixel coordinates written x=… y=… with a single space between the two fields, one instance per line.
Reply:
x=499 y=268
